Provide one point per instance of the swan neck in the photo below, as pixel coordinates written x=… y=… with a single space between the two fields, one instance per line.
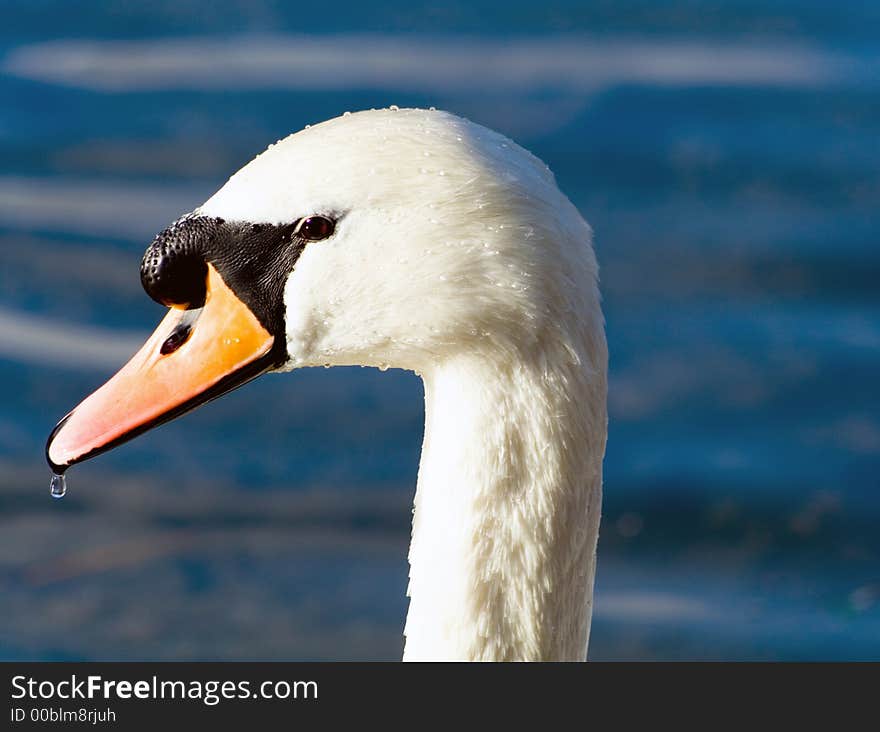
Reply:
x=507 y=507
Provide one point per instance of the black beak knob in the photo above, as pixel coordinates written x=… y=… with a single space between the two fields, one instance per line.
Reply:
x=174 y=271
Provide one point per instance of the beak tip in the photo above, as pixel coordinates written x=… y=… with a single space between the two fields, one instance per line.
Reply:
x=57 y=462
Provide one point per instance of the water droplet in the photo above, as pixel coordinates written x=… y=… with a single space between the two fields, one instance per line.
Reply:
x=57 y=486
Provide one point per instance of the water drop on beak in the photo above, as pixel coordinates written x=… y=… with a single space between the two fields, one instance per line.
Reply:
x=57 y=486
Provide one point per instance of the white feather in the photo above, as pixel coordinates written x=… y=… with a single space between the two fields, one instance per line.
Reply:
x=457 y=256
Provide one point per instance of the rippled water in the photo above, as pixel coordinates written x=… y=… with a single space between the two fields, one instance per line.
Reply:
x=727 y=159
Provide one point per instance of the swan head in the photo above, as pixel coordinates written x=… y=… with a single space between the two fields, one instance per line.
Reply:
x=381 y=238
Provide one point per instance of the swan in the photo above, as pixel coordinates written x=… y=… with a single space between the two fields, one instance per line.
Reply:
x=412 y=239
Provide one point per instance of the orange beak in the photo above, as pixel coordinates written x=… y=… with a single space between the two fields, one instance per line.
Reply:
x=193 y=356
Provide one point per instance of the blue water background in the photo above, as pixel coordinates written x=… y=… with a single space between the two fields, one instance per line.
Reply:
x=735 y=198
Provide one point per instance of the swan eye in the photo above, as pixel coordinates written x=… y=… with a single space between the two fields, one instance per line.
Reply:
x=315 y=228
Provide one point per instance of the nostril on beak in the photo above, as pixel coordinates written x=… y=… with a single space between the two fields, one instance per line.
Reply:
x=182 y=331
x=180 y=336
